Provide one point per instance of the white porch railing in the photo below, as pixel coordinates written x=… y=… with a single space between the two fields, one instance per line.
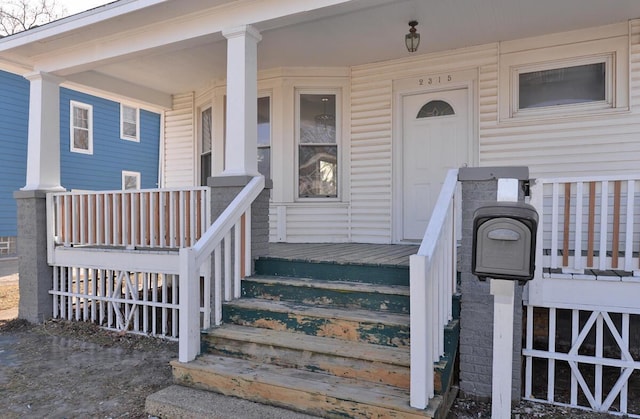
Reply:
x=432 y=285
x=582 y=311
x=152 y=218
x=589 y=226
x=232 y=226
x=114 y=256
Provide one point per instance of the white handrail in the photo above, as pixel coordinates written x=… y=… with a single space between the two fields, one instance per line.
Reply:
x=192 y=258
x=432 y=285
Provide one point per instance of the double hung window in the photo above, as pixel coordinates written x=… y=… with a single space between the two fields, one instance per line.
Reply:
x=205 y=144
x=318 y=136
x=129 y=123
x=81 y=132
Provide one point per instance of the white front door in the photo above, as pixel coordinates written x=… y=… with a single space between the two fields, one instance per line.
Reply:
x=435 y=131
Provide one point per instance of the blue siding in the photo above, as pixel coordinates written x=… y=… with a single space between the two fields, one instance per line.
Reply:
x=14 y=125
x=111 y=155
x=100 y=171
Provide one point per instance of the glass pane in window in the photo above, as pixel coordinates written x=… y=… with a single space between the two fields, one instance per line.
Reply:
x=264 y=161
x=205 y=168
x=129 y=114
x=80 y=139
x=130 y=182
x=318 y=171
x=80 y=117
x=317 y=119
x=264 y=121
x=435 y=108
x=206 y=130
x=129 y=129
x=562 y=86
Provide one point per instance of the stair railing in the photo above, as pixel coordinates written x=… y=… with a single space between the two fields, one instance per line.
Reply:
x=235 y=221
x=432 y=285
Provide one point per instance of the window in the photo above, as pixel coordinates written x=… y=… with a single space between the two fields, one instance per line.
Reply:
x=129 y=126
x=130 y=180
x=205 y=145
x=435 y=108
x=562 y=86
x=264 y=136
x=546 y=80
x=81 y=132
x=318 y=136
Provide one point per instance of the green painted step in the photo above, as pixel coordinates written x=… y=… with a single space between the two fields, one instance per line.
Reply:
x=362 y=361
x=353 y=295
x=379 y=328
x=310 y=392
x=331 y=271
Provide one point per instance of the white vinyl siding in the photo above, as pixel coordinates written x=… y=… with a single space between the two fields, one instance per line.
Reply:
x=310 y=223
x=597 y=144
x=179 y=152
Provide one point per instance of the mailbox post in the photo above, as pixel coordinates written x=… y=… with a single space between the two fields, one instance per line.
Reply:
x=504 y=241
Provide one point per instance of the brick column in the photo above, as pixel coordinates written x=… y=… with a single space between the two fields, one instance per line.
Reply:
x=36 y=276
x=479 y=187
x=223 y=190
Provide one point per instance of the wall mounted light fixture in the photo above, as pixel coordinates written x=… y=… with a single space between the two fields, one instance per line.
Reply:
x=412 y=39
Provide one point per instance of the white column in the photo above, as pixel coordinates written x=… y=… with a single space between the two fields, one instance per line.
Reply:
x=43 y=149
x=242 y=96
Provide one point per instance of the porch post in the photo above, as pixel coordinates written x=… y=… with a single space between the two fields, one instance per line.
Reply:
x=242 y=95
x=43 y=146
x=43 y=175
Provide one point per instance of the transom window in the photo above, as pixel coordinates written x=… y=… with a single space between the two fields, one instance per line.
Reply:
x=318 y=136
x=562 y=86
x=435 y=108
x=129 y=126
x=81 y=128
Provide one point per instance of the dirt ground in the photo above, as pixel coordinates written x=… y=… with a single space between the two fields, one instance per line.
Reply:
x=77 y=370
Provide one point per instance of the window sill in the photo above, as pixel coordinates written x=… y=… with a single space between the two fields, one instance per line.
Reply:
x=547 y=118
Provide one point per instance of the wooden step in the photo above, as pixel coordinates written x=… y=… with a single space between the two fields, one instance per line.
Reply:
x=353 y=325
x=310 y=392
x=389 y=298
x=332 y=271
x=373 y=363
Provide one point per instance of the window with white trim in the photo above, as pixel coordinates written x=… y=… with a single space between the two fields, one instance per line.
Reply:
x=81 y=128
x=130 y=180
x=264 y=136
x=129 y=123
x=567 y=86
x=206 y=132
x=318 y=136
x=544 y=79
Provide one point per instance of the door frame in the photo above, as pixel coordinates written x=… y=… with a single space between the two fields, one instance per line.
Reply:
x=422 y=84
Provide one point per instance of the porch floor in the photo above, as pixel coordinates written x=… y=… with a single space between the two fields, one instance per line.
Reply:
x=375 y=254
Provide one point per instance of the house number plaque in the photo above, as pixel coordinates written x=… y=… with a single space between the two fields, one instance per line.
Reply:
x=435 y=80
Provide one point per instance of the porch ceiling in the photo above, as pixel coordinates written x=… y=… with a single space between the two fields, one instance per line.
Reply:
x=344 y=33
